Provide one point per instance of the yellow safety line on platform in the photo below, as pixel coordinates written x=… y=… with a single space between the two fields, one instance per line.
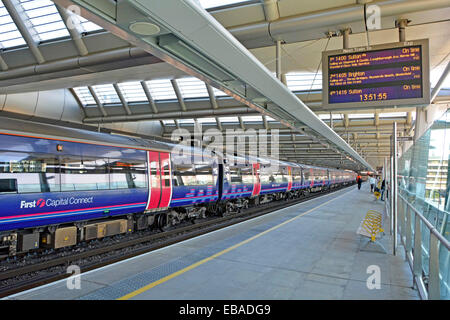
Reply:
x=218 y=254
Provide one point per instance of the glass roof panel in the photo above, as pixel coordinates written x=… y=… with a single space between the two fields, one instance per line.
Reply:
x=436 y=74
x=229 y=119
x=304 y=81
x=133 y=91
x=9 y=35
x=252 y=118
x=161 y=89
x=86 y=25
x=84 y=95
x=219 y=93
x=392 y=114
x=45 y=19
x=106 y=93
x=186 y=121
x=207 y=4
x=206 y=120
x=361 y=115
x=192 y=88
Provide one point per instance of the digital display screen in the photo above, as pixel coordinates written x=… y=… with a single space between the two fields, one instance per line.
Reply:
x=378 y=75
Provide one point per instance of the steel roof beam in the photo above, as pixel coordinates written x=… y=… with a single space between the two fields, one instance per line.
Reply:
x=97 y=101
x=122 y=98
x=190 y=114
x=75 y=33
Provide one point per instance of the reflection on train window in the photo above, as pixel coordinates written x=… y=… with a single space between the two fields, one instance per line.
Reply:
x=247 y=175
x=127 y=175
x=166 y=174
x=204 y=174
x=307 y=175
x=83 y=174
x=184 y=175
x=235 y=175
x=23 y=172
x=296 y=174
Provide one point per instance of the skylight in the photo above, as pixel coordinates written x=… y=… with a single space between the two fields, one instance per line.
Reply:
x=304 y=81
x=229 y=119
x=206 y=120
x=192 y=88
x=436 y=74
x=161 y=89
x=84 y=95
x=186 y=121
x=106 y=93
x=88 y=26
x=9 y=35
x=207 y=4
x=219 y=93
x=360 y=115
x=392 y=114
x=45 y=19
x=252 y=118
x=133 y=91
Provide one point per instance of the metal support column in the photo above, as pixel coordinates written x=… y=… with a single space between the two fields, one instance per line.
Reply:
x=278 y=59
x=394 y=187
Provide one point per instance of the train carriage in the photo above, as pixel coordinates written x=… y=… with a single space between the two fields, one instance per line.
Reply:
x=59 y=186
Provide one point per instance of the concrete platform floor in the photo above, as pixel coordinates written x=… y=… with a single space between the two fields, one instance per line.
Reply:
x=308 y=251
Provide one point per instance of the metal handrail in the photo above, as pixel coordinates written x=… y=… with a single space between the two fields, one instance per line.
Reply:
x=433 y=230
x=414 y=248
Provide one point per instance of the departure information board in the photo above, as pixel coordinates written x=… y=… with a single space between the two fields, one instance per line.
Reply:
x=394 y=74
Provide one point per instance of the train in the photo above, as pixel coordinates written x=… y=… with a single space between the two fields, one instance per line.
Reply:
x=60 y=186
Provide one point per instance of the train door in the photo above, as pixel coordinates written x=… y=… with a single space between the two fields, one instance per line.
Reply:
x=166 y=181
x=257 y=182
x=159 y=182
x=289 y=170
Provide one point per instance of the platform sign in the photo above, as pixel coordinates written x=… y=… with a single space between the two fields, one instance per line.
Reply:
x=384 y=75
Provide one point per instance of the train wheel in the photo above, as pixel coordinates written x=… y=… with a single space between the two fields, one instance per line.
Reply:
x=161 y=221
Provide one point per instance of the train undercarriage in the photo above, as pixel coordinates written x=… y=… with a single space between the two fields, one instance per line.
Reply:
x=17 y=242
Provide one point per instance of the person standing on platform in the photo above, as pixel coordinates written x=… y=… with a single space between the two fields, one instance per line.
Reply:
x=383 y=187
x=372 y=183
x=359 y=181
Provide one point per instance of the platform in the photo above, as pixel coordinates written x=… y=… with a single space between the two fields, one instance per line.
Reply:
x=307 y=251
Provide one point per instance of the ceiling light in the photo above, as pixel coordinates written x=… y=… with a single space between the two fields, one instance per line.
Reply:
x=145 y=28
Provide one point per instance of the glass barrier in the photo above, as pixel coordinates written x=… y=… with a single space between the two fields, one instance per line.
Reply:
x=423 y=208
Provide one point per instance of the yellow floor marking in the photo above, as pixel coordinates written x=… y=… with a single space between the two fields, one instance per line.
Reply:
x=218 y=254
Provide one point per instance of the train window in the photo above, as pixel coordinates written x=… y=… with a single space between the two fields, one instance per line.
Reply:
x=166 y=173
x=307 y=174
x=203 y=173
x=266 y=175
x=279 y=177
x=297 y=174
x=8 y=185
x=31 y=172
x=235 y=175
x=79 y=174
x=247 y=175
x=127 y=174
x=184 y=175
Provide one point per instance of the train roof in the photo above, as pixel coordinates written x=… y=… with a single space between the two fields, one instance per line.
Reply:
x=48 y=131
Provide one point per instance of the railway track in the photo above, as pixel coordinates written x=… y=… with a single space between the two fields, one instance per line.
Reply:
x=43 y=272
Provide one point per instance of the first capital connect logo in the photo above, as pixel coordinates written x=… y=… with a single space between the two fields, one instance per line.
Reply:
x=40 y=203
